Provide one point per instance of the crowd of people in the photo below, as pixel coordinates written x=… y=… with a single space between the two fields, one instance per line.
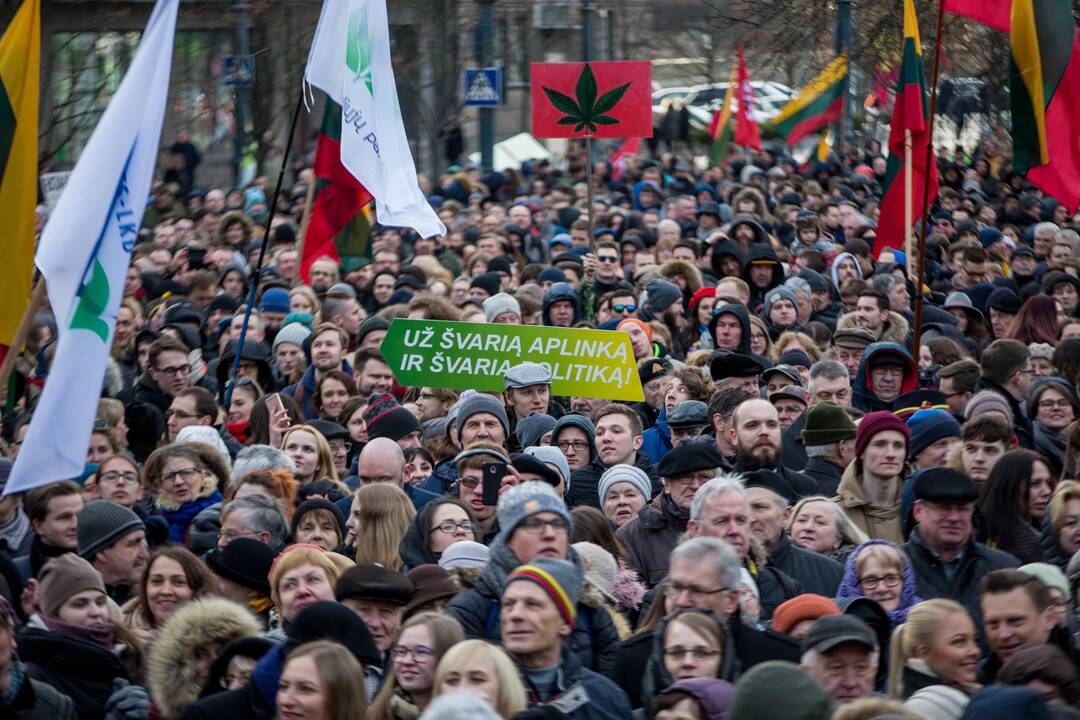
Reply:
x=819 y=509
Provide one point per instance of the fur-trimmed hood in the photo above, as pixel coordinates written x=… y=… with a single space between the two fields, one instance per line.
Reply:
x=465 y=578
x=896 y=327
x=171 y=669
x=674 y=268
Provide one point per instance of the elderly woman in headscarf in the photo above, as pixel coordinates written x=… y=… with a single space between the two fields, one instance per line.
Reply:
x=881 y=571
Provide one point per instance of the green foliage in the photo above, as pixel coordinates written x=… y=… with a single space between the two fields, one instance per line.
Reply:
x=586 y=112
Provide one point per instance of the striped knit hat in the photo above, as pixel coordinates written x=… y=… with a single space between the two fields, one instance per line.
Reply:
x=560 y=579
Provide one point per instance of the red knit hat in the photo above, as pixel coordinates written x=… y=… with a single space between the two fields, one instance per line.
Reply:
x=705 y=292
x=802 y=607
x=875 y=422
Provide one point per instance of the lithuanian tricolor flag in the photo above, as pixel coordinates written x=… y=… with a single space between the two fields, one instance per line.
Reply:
x=721 y=129
x=339 y=225
x=1044 y=88
x=818 y=104
x=20 y=62
x=909 y=116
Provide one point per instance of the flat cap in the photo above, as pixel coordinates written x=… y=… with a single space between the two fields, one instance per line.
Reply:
x=688 y=413
x=689 y=458
x=770 y=480
x=944 y=485
x=783 y=369
x=526 y=374
x=790 y=392
x=854 y=338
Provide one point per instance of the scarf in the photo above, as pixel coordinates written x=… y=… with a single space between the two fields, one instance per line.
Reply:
x=99 y=633
x=260 y=605
x=18 y=677
x=241 y=431
x=14 y=530
x=180 y=518
x=850 y=588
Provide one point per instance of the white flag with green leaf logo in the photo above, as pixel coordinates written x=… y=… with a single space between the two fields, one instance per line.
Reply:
x=84 y=254
x=350 y=62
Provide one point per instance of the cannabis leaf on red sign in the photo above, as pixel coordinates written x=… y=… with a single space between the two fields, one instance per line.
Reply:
x=586 y=112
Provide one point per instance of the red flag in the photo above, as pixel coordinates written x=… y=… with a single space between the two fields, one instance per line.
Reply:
x=747 y=133
x=910 y=115
x=623 y=156
x=994 y=13
x=593 y=99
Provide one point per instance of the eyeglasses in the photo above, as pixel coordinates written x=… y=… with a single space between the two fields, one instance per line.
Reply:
x=535 y=525
x=674 y=590
x=419 y=653
x=698 y=653
x=889 y=580
x=1026 y=371
x=449 y=526
x=624 y=308
x=1048 y=404
x=175 y=370
x=575 y=445
x=115 y=476
x=338 y=446
x=184 y=475
x=229 y=535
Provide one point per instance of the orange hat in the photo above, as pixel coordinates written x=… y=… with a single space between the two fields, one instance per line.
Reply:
x=644 y=326
x=802 y=607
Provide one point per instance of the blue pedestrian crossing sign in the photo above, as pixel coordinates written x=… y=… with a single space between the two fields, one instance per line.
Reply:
x=238 y=70
x=483 y=86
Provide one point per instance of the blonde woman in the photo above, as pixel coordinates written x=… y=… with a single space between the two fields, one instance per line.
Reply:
x=311 y=454
x=303 y=299
x=415 y=653
x=936 y=646
x=817 y=523
x=302 y=575
x=792 y=340
x=319 y=682
x=380 y=516
x=483 y=669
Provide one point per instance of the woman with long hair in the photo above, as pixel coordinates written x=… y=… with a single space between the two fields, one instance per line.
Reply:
x=321 y=680
x=1037 y=321
x=937 y=645
x=381 y=514
x=172 y=578
x=246 y=393
x=483 y=669
x=185 y=477
x=311 y=454
x=1012 y=503
x=415 y=652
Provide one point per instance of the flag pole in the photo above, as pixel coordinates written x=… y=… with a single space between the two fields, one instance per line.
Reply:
x=262 y=250
x=308 y=201
x=37 y=297
x=924 y=221
x=909 y=210
x=589 y=181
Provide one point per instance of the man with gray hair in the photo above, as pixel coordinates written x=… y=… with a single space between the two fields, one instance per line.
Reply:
x=254 y=516
x=841 y=653
x=1043 y=235
x=829 y=382
x=259 y=457
x=721 y=509
x=829 y=436
x=805 y=297
x=896 y=290
x=704 y=576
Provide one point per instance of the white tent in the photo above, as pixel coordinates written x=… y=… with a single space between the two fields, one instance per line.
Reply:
x=511 y=152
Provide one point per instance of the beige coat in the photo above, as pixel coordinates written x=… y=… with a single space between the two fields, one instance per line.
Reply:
x=880 y=523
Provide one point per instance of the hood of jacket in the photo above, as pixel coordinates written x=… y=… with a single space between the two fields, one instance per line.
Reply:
x=850 y=588
x=722 y=248
x=754 y=195
x=415 y=550
x=759 y=253
x=836 y=263
x=896 y=327
x=256 y=352
x=862 y=388
x=580 y=422
x=171 y=670
x=738 y=310
x=656 y=675
x=561 y=291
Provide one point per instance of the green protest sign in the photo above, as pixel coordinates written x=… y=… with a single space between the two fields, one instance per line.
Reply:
x=583 y=362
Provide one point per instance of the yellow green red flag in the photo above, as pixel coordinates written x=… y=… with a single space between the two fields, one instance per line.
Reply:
x=20 y=63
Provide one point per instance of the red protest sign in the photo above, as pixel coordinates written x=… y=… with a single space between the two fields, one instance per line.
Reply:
x=594 y=99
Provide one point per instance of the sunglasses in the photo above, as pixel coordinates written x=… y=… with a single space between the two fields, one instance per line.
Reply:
x=607 y=258
x=624 y=308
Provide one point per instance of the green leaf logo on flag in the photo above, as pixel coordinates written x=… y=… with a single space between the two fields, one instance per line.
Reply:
x=586 y=112
x=93 y=299
x=358 y=48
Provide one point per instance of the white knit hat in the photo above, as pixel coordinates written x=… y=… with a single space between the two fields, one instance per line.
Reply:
x=600 y=567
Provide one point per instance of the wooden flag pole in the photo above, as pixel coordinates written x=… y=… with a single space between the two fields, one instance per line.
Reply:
x=37 y=297
x=589 y=183
x=909 y=209
x=925 y=219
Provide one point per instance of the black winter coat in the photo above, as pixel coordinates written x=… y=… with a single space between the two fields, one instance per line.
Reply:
x=593 y=639
x=651 y=536
x=792 y=450
x=78 y=668
x=930 y=580
x=247 y=703
x=751 y=647
x=585 y=483
x=815 y=573
x=825 y=474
